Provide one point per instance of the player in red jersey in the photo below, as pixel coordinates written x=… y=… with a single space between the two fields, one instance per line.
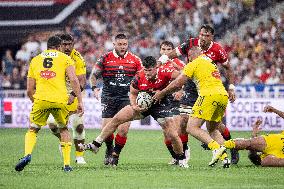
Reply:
x=150 y=79
x=165 y=48
x=116 y=68
x=216 y=52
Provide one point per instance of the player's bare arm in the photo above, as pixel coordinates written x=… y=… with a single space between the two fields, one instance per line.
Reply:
x=132 y=98
x=173 y=86
x=31 y=83
x=272 y=161
x=70 y=71
x=256 y=128
x=94 y=76
x=274 y=110
x=82 y=81
x=230 y=77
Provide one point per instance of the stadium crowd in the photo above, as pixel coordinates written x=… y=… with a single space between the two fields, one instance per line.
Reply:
x=256 y=57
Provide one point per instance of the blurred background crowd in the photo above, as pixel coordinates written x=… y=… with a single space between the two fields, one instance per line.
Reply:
x=256 y=56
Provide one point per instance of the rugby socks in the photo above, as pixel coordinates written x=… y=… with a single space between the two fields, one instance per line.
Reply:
x=230 y=144
x=226 y=134
x=79 y=154
x=120 y=141
x=66 y=150
x=30 y=141
x=109 y=142
x=213 y=145
x=168 y=143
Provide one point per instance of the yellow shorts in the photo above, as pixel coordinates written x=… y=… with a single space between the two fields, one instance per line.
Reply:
x=274 y=145
x=73 y=107
x=210 y=107
x=41 y=110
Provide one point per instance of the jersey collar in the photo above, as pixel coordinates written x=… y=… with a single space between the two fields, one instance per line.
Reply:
x=116 y=55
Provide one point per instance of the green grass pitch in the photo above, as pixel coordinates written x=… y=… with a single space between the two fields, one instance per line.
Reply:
x=143 y=164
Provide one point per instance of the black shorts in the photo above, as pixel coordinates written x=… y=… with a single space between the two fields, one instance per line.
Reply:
x=188 y=99
x=160 y=110
x=110 y=106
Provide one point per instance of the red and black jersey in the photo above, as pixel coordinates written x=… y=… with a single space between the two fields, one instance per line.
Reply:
x=163 y=78
x=215 y=50
x=117 y=73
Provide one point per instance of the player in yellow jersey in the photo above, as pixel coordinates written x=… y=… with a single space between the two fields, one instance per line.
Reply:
x=210 y=105
x=46 y=88
x=265 y=150
x=75 y=120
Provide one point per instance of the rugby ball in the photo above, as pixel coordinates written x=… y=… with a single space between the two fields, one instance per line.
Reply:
x=144 y=100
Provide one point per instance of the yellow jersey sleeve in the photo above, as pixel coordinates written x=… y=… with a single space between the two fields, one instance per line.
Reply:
x=80 y=65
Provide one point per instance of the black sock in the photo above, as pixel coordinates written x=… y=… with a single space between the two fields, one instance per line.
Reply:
x=171 y=150
x=117 y=149
x=109 y=144
x=184 y=146
x=180 y=156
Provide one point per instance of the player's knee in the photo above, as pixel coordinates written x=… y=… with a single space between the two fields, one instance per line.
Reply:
x=79 y=135
x=122 y=131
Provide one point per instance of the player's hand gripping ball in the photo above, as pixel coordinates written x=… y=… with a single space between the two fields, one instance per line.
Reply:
x=144 y=100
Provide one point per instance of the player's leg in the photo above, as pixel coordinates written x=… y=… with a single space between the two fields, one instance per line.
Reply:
x=124 y=115
x=184 y=136
x=120 y=141
x=109 y=109
x=121 y=136
x=78 y=133
x=108 y=142
x=227 y=136
x=37 y=119
x=213 y=130
x=204 y=109
x=61 y=114
x=167 y=125
x=167 y=140
x=53 y=126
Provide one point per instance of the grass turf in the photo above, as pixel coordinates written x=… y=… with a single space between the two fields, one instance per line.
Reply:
x=143 y=164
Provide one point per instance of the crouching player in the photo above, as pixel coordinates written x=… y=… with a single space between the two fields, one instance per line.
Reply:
x=149 y=79
x=75 y=120
x=264 y=150
x=210 y=105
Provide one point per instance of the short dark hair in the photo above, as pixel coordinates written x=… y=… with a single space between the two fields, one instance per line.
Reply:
x=208 y=28
x=53 y=42
x=254 y=157
x=167 y=43
x=66 y=37
x=149 y=62
x=120 y=36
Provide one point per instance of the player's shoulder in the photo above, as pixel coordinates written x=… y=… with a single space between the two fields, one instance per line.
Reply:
x=134 y=56
x=217 y=46
x=76 y=54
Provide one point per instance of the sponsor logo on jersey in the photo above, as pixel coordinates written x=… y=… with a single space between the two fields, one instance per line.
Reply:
x=47 y=74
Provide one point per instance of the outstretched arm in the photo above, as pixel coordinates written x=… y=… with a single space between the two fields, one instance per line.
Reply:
x=272 y=161
x=274 y=110
x=173 y=86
